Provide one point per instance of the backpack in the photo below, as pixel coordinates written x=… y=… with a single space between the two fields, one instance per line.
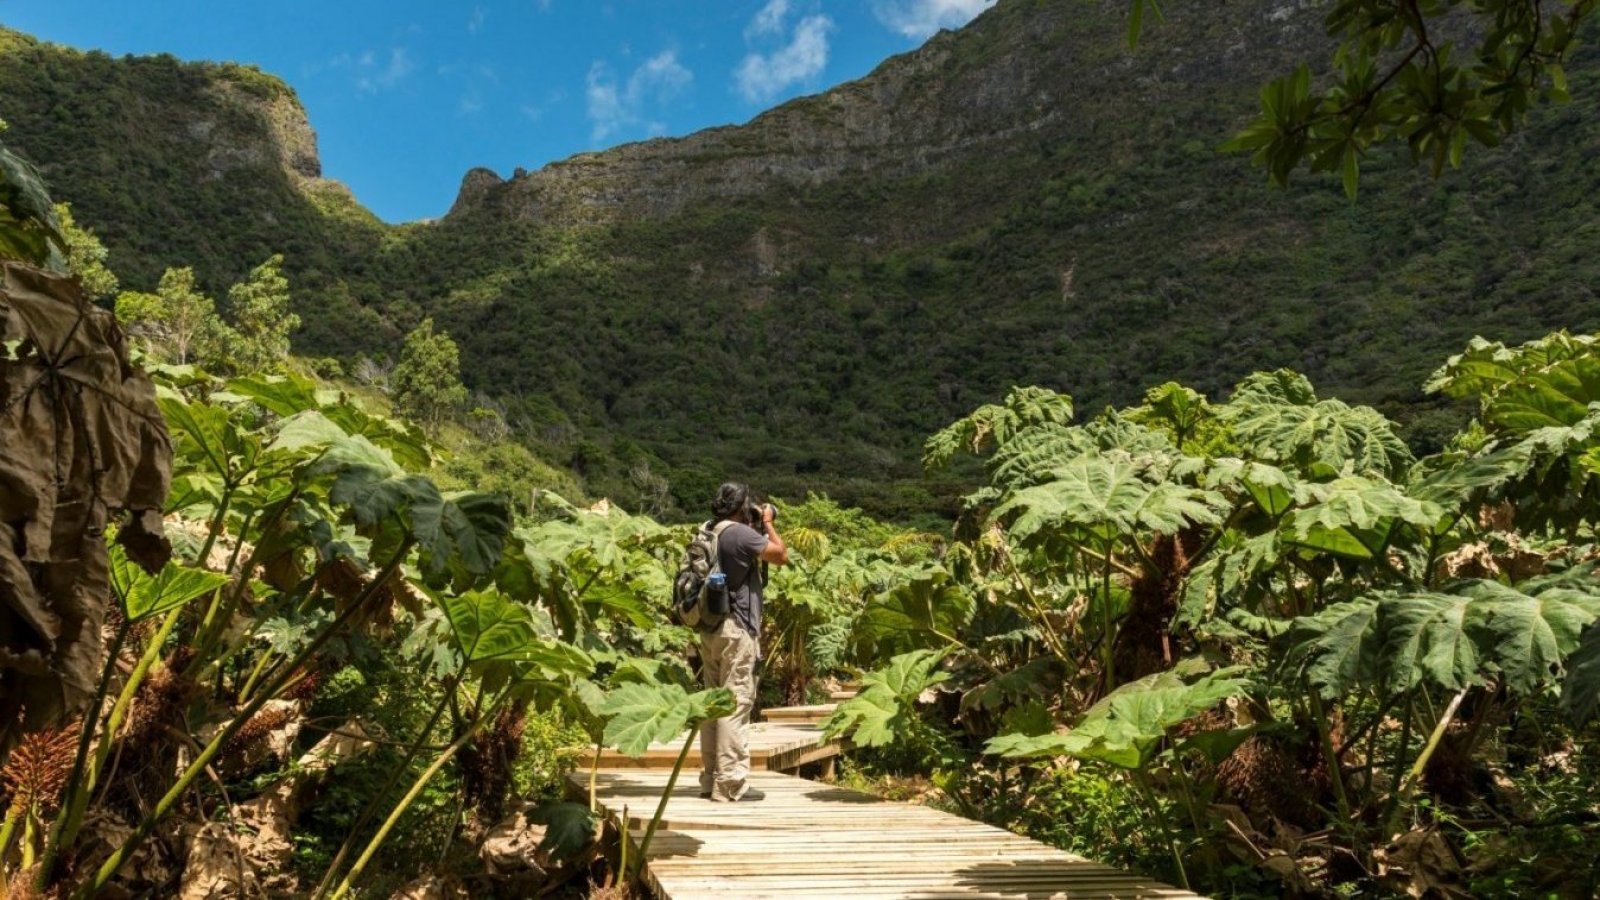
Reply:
x=700 y=560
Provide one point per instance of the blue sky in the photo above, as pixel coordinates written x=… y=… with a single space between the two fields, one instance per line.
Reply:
x=406 y=95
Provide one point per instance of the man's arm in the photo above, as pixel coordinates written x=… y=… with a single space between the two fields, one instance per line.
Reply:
x=776 y=551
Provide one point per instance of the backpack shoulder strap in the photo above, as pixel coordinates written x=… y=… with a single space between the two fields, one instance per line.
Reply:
x=716 y=540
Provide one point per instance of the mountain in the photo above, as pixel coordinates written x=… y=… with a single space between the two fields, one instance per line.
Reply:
x=800 y=299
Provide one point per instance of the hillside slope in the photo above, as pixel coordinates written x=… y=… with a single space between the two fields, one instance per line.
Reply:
x=803 y=298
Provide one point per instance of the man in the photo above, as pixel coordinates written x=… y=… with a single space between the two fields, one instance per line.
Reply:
x=729 y=655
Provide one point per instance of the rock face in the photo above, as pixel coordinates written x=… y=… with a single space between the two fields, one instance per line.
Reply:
x=915 y=112
x=1023 y=201
x=1015 y=73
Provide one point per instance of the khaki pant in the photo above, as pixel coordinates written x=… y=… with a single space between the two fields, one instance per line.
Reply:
x=728 y=659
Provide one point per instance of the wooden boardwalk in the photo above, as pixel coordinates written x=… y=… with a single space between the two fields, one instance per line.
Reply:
x=782 y=745
x=809 y=839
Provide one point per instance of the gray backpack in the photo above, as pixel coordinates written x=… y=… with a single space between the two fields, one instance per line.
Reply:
x=689 y=589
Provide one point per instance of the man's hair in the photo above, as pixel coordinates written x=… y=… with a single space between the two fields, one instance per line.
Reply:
x=731 y=500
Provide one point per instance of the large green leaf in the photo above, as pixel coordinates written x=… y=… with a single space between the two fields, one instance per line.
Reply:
x=1427 y=640
x=1108 y=496
x=203 y=437
x=1355 y=515
x=643 y=714
x=569 y=828
x=1528 y=637
x=29 y=230
x=1275 y=416
x=916 y=606
x=470 y=530
x=882 y=710
x=488 y=628
x=1451 y=640
x=1269 y=487
x=1127 y=727
x=1340 y=647
x=463 y=529
x=143 y=595
x=1551 y=381
x=284 y=395
x=994 y=424
x=1581 y=692
x=1229 y=578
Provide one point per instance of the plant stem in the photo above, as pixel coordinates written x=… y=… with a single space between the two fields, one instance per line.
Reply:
x=1108 y=653
x=626 y=839
x=661 y=807
x=1045 y=628
x=371 y=809
x=66 y=823
x=198 y=766
x=1319 y=715
x=1398 y=763
x=73 y=817
x=1141 y=783
x=28 y=829
x=594 y=776
x=256 y=671
x=217 y=521
x=1404 y=789
x=405 y=802
x=7 y=831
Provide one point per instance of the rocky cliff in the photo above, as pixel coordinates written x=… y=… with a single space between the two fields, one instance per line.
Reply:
x=801 y=298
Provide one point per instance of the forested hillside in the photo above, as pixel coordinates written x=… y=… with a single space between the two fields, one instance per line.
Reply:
x=803 y=297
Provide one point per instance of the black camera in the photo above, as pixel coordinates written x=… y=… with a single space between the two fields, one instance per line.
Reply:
x=754 y=514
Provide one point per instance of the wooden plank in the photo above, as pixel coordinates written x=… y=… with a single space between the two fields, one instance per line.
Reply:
x=777 y=746
x=799 y=714
x=807 y=839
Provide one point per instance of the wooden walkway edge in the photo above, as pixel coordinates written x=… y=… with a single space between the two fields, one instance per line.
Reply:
x=779 y=746
x=809 y=839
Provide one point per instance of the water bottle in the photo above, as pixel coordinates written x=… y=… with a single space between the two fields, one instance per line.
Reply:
x=717 y=595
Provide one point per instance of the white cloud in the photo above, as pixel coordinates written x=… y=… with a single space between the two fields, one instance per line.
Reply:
x=615 y=106
x=919 y=19
x=769 y=20
x=372 y=76
x=475 y=21
x=762 y=76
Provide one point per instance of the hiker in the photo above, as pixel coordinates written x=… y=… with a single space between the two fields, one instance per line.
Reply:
x=729 y=656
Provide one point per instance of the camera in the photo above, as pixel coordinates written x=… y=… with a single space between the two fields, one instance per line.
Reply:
x=755 y=513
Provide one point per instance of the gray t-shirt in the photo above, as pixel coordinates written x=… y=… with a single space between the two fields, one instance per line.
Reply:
x=739 y=551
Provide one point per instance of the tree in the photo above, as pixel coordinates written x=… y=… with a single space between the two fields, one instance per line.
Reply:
x=86 y=256
x=177 y=322
x=427 y=380
x=260 y=309
x=1398 y=75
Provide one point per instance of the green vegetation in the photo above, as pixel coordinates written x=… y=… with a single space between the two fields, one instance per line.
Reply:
x=1257 y=646
x=1107 y=246
x=262 y=321
x=1237 y=623
x=177 y=323
x=427 y=379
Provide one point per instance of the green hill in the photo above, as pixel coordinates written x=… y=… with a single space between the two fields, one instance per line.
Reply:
x=802 y=299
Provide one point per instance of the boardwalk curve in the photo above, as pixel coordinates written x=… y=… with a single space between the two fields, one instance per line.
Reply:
x=810 y=839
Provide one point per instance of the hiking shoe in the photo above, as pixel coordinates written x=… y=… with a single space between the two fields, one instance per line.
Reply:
x=751 y=795
x=705 y=795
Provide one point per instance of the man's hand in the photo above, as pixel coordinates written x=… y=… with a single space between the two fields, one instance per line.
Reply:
x=776 y=552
